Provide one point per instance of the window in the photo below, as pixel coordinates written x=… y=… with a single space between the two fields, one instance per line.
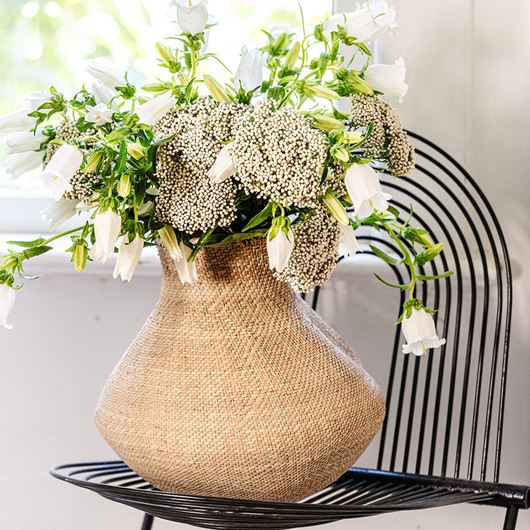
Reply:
x=47 y=42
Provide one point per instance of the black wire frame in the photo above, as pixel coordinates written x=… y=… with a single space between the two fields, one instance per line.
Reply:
x=445 y=411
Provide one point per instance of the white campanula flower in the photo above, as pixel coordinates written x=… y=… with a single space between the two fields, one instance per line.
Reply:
x=388 y=78
x=223 y=167
x=105 y=74
x=169 y=238
x=21 y=163
x=107 y=226
x=24 y=142
x=63 y=165
x=17 y=121
x=360 y=24
x=365 y=190
x=192 y=15
x=35 y=99
x=348 y=244
x=102 y=93
x=279 y=249
x=99 y=115
x=129 y=255
x=7 y=300
x=59 y=212
x=155 y=109
x=420 y=332
x=249 y=74
x=186 y=270
x=384 y=14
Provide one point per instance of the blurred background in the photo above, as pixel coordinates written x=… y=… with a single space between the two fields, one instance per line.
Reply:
x=469 y=76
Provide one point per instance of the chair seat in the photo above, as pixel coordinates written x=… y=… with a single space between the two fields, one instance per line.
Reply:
x=358 y=493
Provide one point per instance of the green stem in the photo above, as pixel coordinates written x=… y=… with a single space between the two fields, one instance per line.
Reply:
x=62 y=234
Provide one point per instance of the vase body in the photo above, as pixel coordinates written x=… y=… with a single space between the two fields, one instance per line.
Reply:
x=236 y=388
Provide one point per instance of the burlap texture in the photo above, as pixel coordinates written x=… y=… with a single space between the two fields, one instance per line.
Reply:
x=236 y=388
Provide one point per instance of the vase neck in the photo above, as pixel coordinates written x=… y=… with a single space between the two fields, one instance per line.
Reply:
x=243 y=265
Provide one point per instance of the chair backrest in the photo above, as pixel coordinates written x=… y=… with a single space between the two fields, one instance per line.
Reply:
x=445 y=410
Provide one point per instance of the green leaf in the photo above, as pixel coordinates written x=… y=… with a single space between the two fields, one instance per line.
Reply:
x=429 y=254
x=423 y=278
x=122 y=157
x=233 y=238
x=385 y=257
x=35 y=251
x=259 y=218
x=28 y=244
x=401 y=286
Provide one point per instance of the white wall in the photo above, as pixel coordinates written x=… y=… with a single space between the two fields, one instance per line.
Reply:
x=469 y=79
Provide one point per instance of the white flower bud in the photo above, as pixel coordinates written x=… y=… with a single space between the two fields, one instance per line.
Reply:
x=420 y=332
x=129 y=255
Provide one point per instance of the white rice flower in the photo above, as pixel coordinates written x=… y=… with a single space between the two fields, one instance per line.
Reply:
x=186 y=270
x=420 y=332
x=388 y=78
x=223 y=167
x=129 y=255
x=63 y=165
x=249 y=74
x=7 y=300
x=155 y=109
x=365 y=190
x=24 y=142
x=107 y=226
x=348 y=244
x=59 y=212
x=99 y=115
x=21 y=163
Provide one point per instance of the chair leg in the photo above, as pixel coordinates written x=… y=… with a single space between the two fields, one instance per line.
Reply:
x=148 y=522
x=511 y=518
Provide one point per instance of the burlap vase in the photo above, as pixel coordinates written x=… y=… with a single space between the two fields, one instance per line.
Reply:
x=236 y=388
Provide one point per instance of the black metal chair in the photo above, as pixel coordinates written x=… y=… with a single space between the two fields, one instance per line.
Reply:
x=441 y=442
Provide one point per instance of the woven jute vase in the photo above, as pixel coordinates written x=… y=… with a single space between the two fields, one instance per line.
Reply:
x=236 y=388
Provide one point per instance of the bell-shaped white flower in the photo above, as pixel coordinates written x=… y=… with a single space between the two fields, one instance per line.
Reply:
x=420 y=332
x=249 y=74
x=102 y=93
x=107 y=226
x=24 y=142
x=35 y=99
x=21 y=163
x=388 y=78
x=279 y=248
x=99 y=115
x=17 y=121
x=384 y=14
x=7 y=300
x=192 y=15
x=129 y=255
x=59 y=212
x=365 y=190
x=105 y=74
x=63 y=165
x=348 y=244
x=153 y=110
x=360 y=24
x=186 y=270
x=223 y=167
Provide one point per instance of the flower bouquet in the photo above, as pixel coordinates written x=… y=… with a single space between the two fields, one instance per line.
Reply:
x=247 y=187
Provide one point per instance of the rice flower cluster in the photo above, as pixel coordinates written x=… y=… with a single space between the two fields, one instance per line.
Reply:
x=187 y=198
x=315 y=252
x=82 y=183
x=279 y=156
x=388 y=137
